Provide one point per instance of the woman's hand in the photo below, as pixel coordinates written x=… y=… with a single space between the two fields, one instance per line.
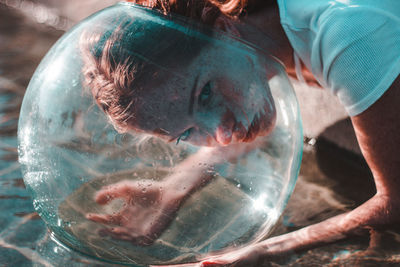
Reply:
x=251 y=255
x=150 y=206
x=148 y=209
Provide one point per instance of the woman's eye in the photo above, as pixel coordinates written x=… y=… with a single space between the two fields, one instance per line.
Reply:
x=184 y=136
x=205 y=94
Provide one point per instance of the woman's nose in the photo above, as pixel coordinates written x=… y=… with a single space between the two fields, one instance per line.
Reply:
x=223 y=135
x=224 y=131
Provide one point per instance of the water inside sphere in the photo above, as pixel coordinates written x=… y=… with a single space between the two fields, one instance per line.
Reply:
x=148 y=139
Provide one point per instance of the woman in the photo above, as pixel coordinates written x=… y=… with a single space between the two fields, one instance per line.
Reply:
x=179 y=85
x=348 y=47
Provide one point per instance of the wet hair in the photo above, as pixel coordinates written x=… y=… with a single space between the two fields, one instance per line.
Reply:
x=116 y=62
x=197 y=8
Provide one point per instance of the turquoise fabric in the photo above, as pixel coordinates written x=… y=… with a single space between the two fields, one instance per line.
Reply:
x=352 y=47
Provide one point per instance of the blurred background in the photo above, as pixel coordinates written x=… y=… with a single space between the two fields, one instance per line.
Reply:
x=334 y=177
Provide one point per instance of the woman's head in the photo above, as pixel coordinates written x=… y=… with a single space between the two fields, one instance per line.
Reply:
x=160 y=80
x=122 y=57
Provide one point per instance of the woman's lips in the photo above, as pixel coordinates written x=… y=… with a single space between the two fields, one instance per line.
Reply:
x=233 y=131
x=238 y=133
x=262 y=125
x=253 y=130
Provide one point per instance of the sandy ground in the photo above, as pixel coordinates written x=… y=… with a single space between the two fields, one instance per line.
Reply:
x=332 y=179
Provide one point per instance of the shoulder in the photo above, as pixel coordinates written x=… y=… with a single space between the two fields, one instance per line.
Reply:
x=306 y=14
x=355 y=21
x=356 y=34
x=356 y=52
x=352 y=47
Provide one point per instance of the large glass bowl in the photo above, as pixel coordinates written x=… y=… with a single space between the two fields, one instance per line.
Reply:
x=69 y=150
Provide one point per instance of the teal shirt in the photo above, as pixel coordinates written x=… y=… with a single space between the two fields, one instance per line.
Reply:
x=351 y=46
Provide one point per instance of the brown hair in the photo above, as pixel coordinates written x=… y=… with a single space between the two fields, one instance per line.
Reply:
x=110 y=68
x=196 y=8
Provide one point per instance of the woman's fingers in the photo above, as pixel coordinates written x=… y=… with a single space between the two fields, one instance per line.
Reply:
x=120 y=233
x=247 y=256
x=100 y=218
x=122 y=189
x=212 y=263
x=104 y=218
x=126 y=234
x=194 y=264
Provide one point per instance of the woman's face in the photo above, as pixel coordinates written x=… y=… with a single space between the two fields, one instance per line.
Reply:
x=221 y=97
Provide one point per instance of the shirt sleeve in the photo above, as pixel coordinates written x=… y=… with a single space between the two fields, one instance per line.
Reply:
x=356 y=54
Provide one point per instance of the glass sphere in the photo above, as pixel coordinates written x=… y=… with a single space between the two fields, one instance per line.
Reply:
x=125 y=146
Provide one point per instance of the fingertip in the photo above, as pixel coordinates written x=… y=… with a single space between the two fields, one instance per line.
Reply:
x=102 y=197
x=89 y=216
x=207 y=264
x=99 y=218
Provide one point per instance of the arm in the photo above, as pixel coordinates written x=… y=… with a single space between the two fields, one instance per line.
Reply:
x=152 y=205
x=198 y=169
x=378 y=133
